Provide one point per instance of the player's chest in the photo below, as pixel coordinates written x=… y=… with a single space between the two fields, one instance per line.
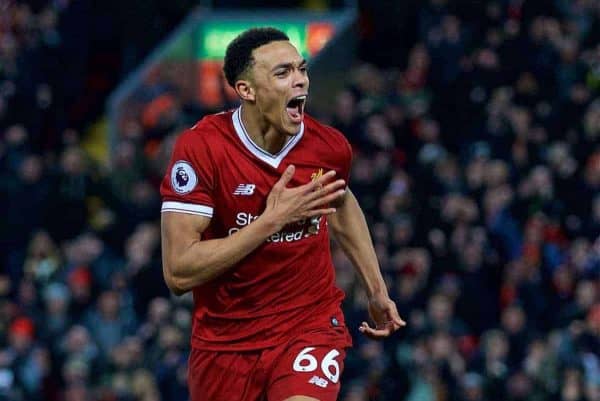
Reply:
x=245 y=183
x=249 y=185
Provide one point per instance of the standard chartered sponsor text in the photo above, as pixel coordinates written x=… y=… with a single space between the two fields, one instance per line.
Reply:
x=297 y=232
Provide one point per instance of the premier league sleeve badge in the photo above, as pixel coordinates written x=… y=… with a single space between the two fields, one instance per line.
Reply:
x=183 y=177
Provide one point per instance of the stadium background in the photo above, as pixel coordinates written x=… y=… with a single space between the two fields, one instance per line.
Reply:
x=476 y=130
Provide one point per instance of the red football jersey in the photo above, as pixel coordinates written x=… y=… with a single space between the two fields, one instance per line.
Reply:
x=287 y=283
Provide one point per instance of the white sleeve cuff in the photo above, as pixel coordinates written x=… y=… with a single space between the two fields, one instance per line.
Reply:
x=189 y=208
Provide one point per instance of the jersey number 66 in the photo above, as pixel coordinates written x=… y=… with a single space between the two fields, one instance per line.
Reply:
x=305 y=362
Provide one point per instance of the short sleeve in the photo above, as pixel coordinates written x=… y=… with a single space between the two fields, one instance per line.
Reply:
x=188 y=184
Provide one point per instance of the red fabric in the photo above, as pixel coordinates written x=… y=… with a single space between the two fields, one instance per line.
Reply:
x=271 y=373
x=287 y=280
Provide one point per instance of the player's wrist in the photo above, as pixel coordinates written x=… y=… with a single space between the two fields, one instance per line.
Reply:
x=378 y=292
x=269 y=223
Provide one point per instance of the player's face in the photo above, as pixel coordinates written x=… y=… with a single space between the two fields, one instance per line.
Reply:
x=280 y=81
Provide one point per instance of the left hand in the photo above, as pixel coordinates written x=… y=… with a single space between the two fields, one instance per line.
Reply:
x=385 y=315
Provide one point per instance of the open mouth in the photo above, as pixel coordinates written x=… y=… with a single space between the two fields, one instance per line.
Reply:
x=295 y=108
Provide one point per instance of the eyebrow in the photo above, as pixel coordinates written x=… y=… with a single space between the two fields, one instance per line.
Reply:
x=288 y=65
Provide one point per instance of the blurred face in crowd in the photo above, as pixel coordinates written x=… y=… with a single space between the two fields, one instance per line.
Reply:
x=77 y=339
x=31 y=169
x=451 y=28
x=592 y=170
x=495 y=344
x=586 y=294
x=378 y=132
x=571 y=388
x=519 y=386
x=41 y=245
x=159 y=310
x=109 y=304
x=73 y=161
x=591 y=122
x=57 y=306
x=344 y=106
x=27 y=293
x=472 y=387
x=441 y=345
x=77 y=392
x=127 y=353
x=513 y=319
x=170 y=337
x=440 y=309
x=15 y=135
x=356 y=393
x=496 y=173
x=277 y=87
x=472 y=256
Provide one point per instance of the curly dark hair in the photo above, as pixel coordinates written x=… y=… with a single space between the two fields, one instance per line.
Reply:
x=238 y=56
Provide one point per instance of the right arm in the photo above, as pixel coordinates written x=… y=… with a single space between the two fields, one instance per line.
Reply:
x=188 y=261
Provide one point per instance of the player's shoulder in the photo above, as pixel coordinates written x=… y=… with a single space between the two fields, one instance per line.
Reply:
x=325 y=133
x=209 y=129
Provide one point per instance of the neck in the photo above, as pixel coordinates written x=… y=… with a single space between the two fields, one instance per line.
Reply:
x=262 y=133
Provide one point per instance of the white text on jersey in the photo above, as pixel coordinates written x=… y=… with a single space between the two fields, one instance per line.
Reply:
x=293 y=232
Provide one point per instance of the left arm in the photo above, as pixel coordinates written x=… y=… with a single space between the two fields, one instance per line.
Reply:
x=349 y=228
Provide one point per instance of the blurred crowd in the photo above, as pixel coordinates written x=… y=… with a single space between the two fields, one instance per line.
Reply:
x=477 y=163
x=32 y=84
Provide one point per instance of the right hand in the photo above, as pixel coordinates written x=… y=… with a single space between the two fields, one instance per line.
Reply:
x=287 y=205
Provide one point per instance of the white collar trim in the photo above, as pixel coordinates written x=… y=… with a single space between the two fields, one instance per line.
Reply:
x=271 y=159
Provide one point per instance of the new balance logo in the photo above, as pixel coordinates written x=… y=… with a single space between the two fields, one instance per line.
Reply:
x=244 y=189
x=319 y=381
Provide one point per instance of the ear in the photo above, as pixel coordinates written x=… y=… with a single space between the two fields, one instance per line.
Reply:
x=245 y=90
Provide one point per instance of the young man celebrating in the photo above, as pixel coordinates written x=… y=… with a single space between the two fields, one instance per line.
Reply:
x=248 y=202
